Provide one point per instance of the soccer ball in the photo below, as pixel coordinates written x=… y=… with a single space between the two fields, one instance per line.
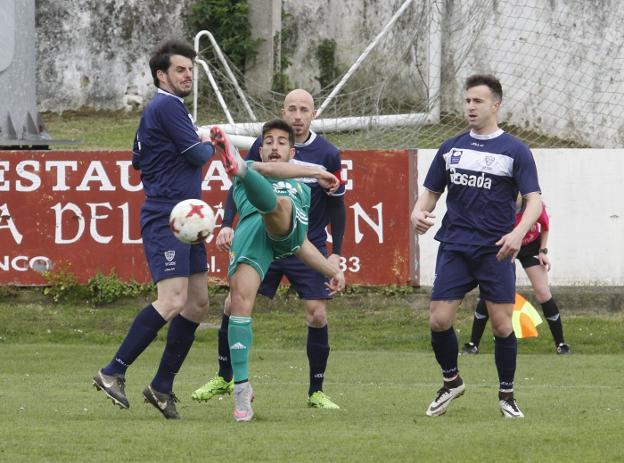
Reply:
x=192 y=221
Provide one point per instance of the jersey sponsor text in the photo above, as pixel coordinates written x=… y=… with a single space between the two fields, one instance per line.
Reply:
x=479 y=181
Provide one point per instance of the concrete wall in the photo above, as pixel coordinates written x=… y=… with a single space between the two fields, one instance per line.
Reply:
x=95 y=54
x=353 y=24
x=560 y=62
x=265 y=17
x=18 y=105
x=584 y=195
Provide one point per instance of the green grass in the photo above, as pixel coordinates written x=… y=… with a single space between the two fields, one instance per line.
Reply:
x=381 y=372
x=574 y=407
x=362 y=321
x=97 y=130
x=115 y=130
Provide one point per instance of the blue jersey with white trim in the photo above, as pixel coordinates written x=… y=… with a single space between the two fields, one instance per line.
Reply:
x=483 y=175
x=165 y=133
x=315 y=152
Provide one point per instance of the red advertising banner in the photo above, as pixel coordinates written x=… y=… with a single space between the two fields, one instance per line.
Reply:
x=81 y=209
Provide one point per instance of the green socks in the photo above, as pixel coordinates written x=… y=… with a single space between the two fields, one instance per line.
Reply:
x=240 y=337
x=259 y=191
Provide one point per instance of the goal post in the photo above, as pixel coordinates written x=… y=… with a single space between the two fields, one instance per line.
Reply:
x=560 y=64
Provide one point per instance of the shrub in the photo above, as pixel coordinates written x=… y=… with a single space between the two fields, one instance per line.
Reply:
x=108 y=288
x=63 y=284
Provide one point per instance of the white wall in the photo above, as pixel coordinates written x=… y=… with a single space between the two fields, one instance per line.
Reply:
x=95 y=54
x=560 y=62
x=584 y=194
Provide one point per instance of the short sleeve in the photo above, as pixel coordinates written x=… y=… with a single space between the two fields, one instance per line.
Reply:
x=525 y=172
x=436 y=176
x=176 y=121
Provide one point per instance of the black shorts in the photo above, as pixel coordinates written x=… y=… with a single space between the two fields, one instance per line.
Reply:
x=528 y=254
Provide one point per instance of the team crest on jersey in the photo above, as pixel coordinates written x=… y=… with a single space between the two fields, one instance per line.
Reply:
x=456 y=156
x=169 y=255
x=489 y=161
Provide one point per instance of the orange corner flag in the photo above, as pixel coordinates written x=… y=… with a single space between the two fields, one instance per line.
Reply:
x=525 y=318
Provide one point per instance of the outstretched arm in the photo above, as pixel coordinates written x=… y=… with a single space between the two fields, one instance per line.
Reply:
x=326 y=179
x=312 y=257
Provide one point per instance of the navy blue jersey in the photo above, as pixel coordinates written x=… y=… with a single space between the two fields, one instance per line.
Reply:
x=483 y=175
x=165 y=133
x=315 y=152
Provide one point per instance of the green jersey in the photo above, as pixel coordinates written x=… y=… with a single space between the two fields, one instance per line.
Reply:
x=252 y=245
x=296 y=191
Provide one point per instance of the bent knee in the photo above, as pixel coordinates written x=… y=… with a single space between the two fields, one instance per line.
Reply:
x=317 y=319
x=316 y=313
x=196 y=311
x=438 y=324
x=502 y=328
x=240 y=304
x=171 y=305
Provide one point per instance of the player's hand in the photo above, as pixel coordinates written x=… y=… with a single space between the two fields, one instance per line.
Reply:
x=421 y=220
x=334 y=259
x=328 y=181
x=510 y=246
x=224 y=239
x=336 y=283
x=544 y=260
x=204 y=135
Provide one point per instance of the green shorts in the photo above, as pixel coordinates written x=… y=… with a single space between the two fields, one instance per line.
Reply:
x=252 y=244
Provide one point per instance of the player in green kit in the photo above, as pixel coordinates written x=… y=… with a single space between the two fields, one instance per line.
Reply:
x=273 y=223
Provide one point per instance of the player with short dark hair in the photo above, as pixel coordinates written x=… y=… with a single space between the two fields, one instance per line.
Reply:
x=273 y=224
x=170 y=154
x=533 y=256
x=325 y=209
x=483 y=171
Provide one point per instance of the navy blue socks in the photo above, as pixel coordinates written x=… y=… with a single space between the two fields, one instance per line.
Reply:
x=445 y=348
x=141 y=333
x=179 y=341
x=505 y=352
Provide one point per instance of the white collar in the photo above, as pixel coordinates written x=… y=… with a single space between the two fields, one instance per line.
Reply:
x=164 y=92
x=310 y=139
x=489 y=136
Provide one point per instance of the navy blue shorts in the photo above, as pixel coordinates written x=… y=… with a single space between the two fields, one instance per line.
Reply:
x=168 y=257
x=459 y=269
x=308 y=283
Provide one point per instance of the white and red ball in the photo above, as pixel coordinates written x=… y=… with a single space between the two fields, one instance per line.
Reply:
x=192 y=221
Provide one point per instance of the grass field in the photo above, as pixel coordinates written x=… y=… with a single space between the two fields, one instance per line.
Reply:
x=115 y=130
x=381 y=372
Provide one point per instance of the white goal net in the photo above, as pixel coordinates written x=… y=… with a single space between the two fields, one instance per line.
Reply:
x=561 y=65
